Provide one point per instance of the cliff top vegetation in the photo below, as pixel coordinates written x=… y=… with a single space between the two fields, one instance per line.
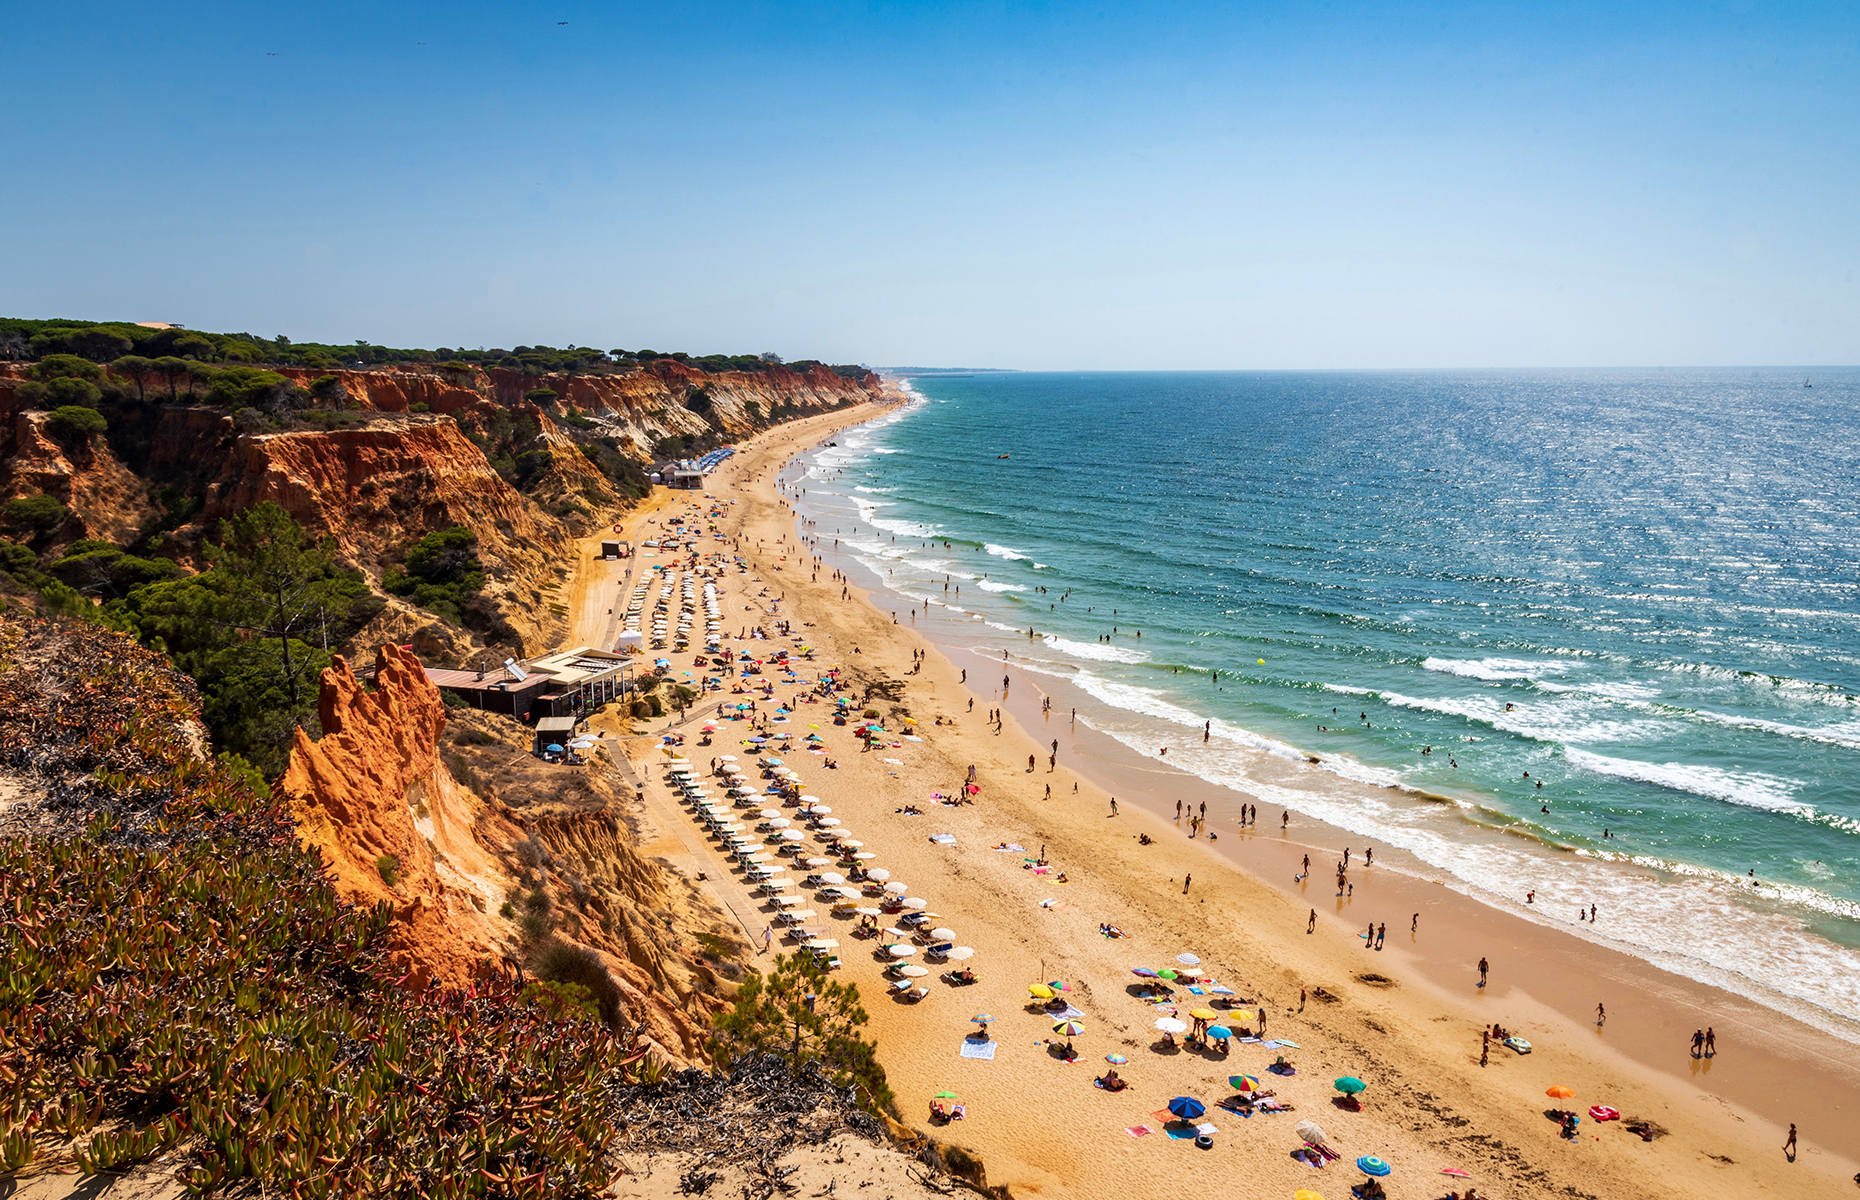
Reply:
x=33 y=339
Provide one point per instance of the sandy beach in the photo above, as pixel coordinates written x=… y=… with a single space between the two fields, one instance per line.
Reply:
x=1406 y=1019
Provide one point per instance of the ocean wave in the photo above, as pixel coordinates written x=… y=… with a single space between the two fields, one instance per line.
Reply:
x=1498 y=669
x=1099 y=651
x=1546 y=722
x=1005 y=552
x=989 y=585
x=914 y=529
x=1846 y=734
x=1751 y=789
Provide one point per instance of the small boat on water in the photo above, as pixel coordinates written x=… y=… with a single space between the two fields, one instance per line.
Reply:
x=1806 y=383
x=1004 y=456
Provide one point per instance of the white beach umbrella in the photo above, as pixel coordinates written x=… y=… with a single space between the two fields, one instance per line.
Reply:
x=943 y=935
x=866 y=912
x=822 y=862
x=864 y=856
x=849 y=843
x=1170 y=1025
x=878 y=873
x=779 y=822
x=897 y=889
x=819 y=810
x=851 y=893
x=830 y=822
x=916 y=903
x=903 y=951
x=833 y=877
x=961 y=953
x=1188 y=960
x=792 y=835
x=769 y=812
x=813 y=800
x=729 y=758
x=914 y=971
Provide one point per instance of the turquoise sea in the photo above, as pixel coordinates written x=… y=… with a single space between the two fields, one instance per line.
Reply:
x=1640 y=587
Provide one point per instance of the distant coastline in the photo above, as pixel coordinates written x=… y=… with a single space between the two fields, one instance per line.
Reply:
x=942 y=372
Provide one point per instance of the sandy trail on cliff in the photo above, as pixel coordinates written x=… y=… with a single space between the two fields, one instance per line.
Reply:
x=1038 y=1122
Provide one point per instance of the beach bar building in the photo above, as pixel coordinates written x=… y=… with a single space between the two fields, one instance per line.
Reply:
x=566 y=683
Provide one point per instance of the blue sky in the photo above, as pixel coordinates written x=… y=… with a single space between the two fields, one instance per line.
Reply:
x=1029 y=185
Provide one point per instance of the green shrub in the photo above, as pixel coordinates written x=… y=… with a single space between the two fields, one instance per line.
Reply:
x=441 y=573
x=562 y=962
x=389 y=866
x=39 y=514
x=74 y=422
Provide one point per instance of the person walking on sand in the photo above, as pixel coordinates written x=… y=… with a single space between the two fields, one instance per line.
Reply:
x=1114 y=806
x=1789 y=1146
x=1186 y=880
x=1369 y=939
x=1310 y=927
x=1414 y=925
x=1601 y=1015
x=1178 y=810
x=1484 y=967
x=1698 y=1042
x=1382 y=931
x=1711 y=1042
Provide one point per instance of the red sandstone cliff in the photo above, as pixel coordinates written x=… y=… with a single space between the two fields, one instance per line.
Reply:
x=376 y=787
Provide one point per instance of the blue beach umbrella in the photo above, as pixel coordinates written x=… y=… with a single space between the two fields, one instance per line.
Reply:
x=1187 y=1107
x=1219 y=1031
x=1369 y=1164
x=552 y=746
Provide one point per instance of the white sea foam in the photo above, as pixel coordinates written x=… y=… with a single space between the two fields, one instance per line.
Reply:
x=989 y=585
x=1004 y=552
x=1752 y=789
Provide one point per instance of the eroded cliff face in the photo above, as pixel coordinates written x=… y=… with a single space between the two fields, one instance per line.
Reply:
x=379 y=486
x=379 y=798
x=106 y=499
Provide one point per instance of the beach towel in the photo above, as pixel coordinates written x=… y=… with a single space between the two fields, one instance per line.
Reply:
x=1010 y=848
x=896 y=762
x=943 y=839
x=1197 y=991
x=1137 y=1131
x=974 y=1049
x=1071 y=1014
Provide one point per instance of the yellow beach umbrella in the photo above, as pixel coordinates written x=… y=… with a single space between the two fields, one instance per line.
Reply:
x=1306 y=1194
x=1203 y=1014
x=1242 y=1014
x=1041 y=991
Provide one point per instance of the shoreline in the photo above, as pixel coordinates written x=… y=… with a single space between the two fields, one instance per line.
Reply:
x=1251 y=928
